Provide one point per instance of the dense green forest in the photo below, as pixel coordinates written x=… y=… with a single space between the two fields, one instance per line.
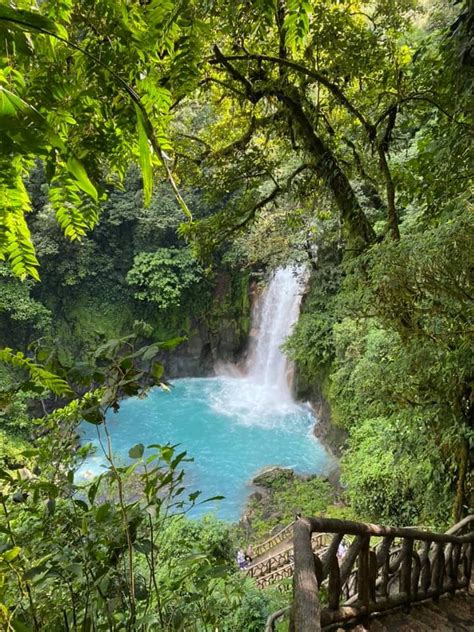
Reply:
x=158 y=159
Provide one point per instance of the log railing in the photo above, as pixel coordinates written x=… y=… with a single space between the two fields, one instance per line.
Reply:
x=280 y=566
x=270 y=564
x=284 y=534
x=283 y=572
x=282 y=557
x=383 y=568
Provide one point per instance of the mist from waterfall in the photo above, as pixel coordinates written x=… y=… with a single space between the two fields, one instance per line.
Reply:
x=234 y=424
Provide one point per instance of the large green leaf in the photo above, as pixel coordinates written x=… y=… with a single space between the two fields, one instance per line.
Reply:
x=39 y=375
x=11 y=554
x=157 y=370
x=76 y=168
x=18 y=626
x=145 y=156
x=137 y=451
x=30 y=21
x=10 y=103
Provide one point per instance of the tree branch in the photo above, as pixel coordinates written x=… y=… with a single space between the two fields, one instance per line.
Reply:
x=277 y=190
x=382 y=148
x=250 y=92
x=419 y=97
x=243 y=141
x=317 y=76
x=328 y=169
x=224 y=84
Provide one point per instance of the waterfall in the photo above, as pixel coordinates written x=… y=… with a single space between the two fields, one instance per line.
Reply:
x=262 y=394
x=274 y=316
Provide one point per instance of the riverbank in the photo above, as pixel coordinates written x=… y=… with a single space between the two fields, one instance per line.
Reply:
x=280 y=493
x=329 y=435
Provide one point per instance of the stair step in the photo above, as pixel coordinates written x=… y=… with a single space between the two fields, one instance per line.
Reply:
x=451 y=614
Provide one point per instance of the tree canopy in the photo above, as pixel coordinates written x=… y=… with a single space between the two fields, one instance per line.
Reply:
x=301 y=95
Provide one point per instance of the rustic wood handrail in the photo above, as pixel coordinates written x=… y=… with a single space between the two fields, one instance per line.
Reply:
x=284 y=534
x=404 y=566
x=271 y=563
x=282 y=572
x=347 y=527
x=265 y=571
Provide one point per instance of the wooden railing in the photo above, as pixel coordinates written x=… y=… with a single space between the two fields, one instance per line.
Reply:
x=270 y=564
x=285 y=534
x=383 y=568
x=283 y=572
x=280 y=566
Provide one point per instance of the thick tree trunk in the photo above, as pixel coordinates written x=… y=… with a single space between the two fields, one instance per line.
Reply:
x=390 y=188
x=356 y=228
x=382 y=149
x=357 y=231
x=461 y=483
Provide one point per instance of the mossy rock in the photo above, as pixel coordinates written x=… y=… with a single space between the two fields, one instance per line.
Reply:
x=281 y=493
x=274 y=478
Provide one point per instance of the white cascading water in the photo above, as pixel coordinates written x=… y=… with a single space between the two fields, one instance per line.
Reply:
x=263 y=395
x=278 y=312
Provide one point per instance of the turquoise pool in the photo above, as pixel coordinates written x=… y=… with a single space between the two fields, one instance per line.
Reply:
x=230 y=427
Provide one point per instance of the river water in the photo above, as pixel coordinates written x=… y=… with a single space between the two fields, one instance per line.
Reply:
x=233 y=426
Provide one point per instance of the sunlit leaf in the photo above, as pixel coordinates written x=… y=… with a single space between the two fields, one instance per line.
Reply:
x=137 y=451
x=145 y=157
x=77 y=169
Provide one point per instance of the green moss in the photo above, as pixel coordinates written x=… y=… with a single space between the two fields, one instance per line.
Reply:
x=229 y=305
x=90 y=320
x=286 y=495
x=170 y=323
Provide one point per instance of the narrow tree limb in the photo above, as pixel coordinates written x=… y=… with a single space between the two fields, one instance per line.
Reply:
x=252 y=95
x=224 y=84
x=278 y=190
x=273 y=618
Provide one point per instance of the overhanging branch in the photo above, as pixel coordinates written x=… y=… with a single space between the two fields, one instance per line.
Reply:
x=134 y=96
x=317 y=76
x=271 y=197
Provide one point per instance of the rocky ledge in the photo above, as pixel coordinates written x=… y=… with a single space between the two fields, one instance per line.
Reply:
x=279 y=494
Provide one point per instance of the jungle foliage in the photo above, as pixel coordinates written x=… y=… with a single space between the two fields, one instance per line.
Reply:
x=332 y=133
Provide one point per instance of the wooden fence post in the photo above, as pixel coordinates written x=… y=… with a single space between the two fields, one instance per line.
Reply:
x=405 y=571
x=306 y=609
x=363 y=578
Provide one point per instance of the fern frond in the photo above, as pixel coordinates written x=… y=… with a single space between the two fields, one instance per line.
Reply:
x=76 y=211
x=297 y=23
x=38 y=374
x=16 y=245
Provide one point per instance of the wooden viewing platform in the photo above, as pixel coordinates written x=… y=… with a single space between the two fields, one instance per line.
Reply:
x=384 y=568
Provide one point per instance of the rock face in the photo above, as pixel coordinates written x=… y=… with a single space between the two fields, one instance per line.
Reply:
x=331 y=436
x=271 y=477
x=219 y=334
x=264 y=485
